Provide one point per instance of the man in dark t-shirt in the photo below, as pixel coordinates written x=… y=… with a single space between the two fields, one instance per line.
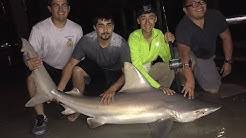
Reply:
x=98 y=58
x=196 y=36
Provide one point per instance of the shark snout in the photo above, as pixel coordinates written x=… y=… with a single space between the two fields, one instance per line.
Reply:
x=205 y=111
x=195 y=114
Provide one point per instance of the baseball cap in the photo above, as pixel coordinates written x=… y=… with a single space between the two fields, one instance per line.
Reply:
x=146 y=9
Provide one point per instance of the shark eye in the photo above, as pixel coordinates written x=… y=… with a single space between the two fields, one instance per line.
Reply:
x=200 y=112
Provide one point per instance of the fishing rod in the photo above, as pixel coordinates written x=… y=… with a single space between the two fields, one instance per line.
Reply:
x=174 y=63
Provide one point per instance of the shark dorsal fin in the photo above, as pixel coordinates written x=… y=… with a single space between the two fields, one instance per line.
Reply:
x=134 y=81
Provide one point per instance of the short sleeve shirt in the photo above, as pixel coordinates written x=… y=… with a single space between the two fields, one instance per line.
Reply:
x=111 y=57
x=201 y=41
x=55 y=45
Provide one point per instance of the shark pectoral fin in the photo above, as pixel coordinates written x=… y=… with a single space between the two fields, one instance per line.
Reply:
x=160 y=128
x=95 y=122
x=67 y=111
x=37 y=99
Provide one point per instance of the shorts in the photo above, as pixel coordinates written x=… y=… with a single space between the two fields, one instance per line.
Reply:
x=100 y=79
x=55 y=75
x=161 y=72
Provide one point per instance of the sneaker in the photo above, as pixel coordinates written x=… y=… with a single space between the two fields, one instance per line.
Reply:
x=40 y=125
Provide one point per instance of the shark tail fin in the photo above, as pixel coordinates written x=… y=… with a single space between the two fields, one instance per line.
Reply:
x=37 y=99
x=41 y=95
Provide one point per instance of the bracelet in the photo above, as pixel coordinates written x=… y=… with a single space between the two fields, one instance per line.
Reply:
x=229 y=61
x=187 y=65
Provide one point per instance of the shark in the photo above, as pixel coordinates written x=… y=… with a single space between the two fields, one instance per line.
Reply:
x=136 y=102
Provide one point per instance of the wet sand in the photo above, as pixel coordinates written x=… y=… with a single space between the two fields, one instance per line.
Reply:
x=15 y=119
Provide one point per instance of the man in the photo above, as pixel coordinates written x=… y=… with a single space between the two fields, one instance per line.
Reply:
x=146 y=44
x=54 y=40
x=196 y=36
x=98 y=59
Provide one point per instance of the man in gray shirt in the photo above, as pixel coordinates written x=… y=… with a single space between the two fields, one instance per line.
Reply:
x=197 y=33
x=98 y=58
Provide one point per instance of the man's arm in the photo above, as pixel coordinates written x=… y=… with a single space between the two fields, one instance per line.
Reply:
x=110 y=92
x=67 y=73
x=35 y=39
x=189 y=86
x=228 y=49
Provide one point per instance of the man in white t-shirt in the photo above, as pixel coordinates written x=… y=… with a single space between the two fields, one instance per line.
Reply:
x=54 y=40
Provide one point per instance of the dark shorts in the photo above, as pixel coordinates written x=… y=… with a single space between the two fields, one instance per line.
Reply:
x=100 y=79
x=55 y=75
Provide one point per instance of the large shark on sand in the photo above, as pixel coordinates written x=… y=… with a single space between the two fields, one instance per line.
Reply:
x=136 y=102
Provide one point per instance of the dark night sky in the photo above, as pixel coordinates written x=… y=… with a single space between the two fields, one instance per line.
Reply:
x=82 y=12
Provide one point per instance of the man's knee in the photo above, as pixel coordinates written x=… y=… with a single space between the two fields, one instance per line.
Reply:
x=212 y=88
x=78 y=71
x=80 y=77
x=162 y=73
x=165 y=71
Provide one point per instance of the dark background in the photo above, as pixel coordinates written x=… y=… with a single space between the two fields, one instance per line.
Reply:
x=18 y=16
x=23 y=14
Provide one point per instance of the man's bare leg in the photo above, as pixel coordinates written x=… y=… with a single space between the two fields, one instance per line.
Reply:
x=78 y=78
x=31 y=87
x=79 y=83
x=40 y=121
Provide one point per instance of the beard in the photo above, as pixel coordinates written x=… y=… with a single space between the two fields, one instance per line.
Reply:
x=105 y=36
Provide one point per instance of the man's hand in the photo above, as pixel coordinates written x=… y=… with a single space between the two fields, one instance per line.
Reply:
x=34 y=63
x=188 y=89
x=226 y=69
x=107 y=96
x=169 y=37
x=167 y=91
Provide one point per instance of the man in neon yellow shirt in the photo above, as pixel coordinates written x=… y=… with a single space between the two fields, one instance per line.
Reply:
x=146 y=44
